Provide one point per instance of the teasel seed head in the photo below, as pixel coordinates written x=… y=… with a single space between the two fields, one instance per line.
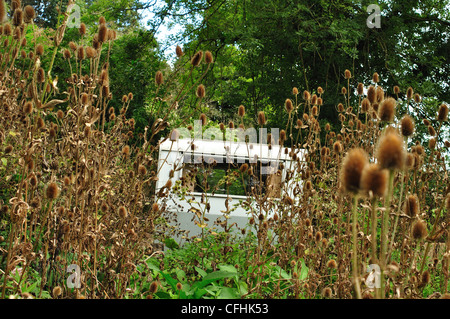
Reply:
x=197 y=58
x=28 y=107
x=123 y=212
x=306 y=95
x=396 y=89
x=360 y=89
x=18 y=17
x=208 y=57
x=443 y=113
x=371 y=94
x=431 y=130
x=347 y=74
x=432 y=143
x=337 y=147
x=294 y=91
x=142 y=170
x=332 y=264
x=417 y=98
x=159 y=78
x=380 y=94
x=376 y=77
x=57 y=291
x=419 y=230
x=203 y=119
x=33 y=180
x=126 y=151
x=386 y=111
x=261 y=118
x=407 y=125
x=241 y=111
x=80 y=53
x=425 y=278
x=352 y=168
x=200 y=93
x=374 y=179
x=327 y=292
x=179 y=52
x=409 y=93
x=3 y=17
x=67 y=55
x=52 y=191
x=288 y=105
x=412 y=205
x=391 y=152
x=91 y=52
x=102 y=32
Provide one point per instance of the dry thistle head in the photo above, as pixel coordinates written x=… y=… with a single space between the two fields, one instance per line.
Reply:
x=306 y=95
x=376 y=77
x=288 y=105
x=200 y=93
x=409 y=93
x=407 y=125
x=396 y=89
x=261 y=118
x=419 y=230
x=208 y=57
x=443 y=113
x=178 y=51
x=28 y=107
x=371 y=94
x=159 y=78
x=294 y=91
x=374 y=179
x=412 y=205
x=197 y=58
x=347 y=74
x=417 y=98
x=386 y=111
x=52 y=191
x=203 y=119
x=241 y=111
x=391 y=152
x=352 y=167
x=123 y=212
x=360 y=89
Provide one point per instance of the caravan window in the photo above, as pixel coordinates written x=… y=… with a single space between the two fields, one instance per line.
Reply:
x=215 y=175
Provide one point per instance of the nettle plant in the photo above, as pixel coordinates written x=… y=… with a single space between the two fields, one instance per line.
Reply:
x=75 y=194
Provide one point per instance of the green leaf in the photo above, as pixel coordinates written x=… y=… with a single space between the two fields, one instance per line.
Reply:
x=304 y=271
x=228 y=293
x=4 y=162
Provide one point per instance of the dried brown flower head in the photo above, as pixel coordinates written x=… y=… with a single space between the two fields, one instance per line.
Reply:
x=391 y=152
x=411 y=205
x=419 y=230
x=52 y=191
x=352 y=167
x=407 y=125
x=374 y=179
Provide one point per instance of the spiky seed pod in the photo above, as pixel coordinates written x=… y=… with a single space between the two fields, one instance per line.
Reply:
x=365 y=105
x=91 y=52
x=318 y=236
x=67 y=55
x=431 y=130
x=33 y=180
x=432 y=143
x=371 y=94
x=360 y=89
x=374 y=179
x=443 y=113
x=178 y=51
x=241 y=111
x=82 y=29
x=315 y=111
x=208 y=57
x=352 y=168
x=410 y=160
x=306 y=95
x=80 y=53
x=200 y=93
x=288 y=105
x=332 y=264
x=130 y=96
x=7 y=29
x=411 y=205
x=282 y=137
x=396 y=89
x=376 y=77
x=40 y=75
x=18 y=17
x=409 y=93
x=142 y=170
x=386 y=111
x=197 y=58
x=380 y=94
x=39 y=49
x=52 y=191
x=337 y=147
x=2 y=11
x=288 y=200
x=391 y=152
x=123 y=212
x=159 y=78
x=243 y=168
x=417 y=98
x=261 y=118
x=327 y=292
x=347 y=74
x=102 y=33
x=294 y=91
x=28 y=108
x=126 y=151
x=419 y=230
x=57 y=291
x=203 y=119
x=341 y=107
x=407 y=125
x=72 y=46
